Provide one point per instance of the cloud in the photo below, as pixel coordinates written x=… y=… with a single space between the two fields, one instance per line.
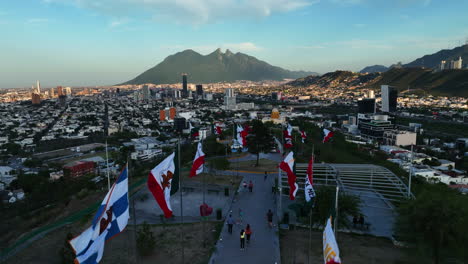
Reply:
x=358 y=25
x=189 y=11
x=118 y=23
x=37 y=20
x=347 y=2
x=400 y=3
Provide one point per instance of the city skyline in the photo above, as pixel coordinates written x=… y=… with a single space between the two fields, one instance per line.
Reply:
x=85 y=43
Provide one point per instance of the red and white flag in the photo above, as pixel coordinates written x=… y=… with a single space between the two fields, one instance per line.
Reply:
x=160 y=183
x=198 y=161
x=241 y=136
x=288 y=137
x=303 y=136
x=287 y=165
x=218 y=130
x=331 y=252
x=327 y=135
x=309 y=188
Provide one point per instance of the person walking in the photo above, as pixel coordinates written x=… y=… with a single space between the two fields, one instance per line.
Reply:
x=250 y=186
x=245 y=186
x=242 y=239
x=270 y=218
x=248 y=233
x=265 y=177
x=230 y=222
x=241 y=215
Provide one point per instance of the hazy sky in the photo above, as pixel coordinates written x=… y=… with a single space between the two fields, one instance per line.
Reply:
x=98 y=42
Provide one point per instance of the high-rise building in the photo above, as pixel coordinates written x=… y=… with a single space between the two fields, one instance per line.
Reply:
x=52 y=93
x=199 y=88
x=68 y=91
x=177 y=94
x=180 y=124
x=370 y=94
x=162 y=115
x=172 y=113
x=38 y=87
x=366 y=106
x=458 y=63
x=443 y=65
x=145 y=92
x=36 y=98
x=274 y=96
x=389 y=98
x=60 y=91
x=184 y=85
x=230 y=99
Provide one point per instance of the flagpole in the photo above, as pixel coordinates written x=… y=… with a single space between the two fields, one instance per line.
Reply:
x=204 y=190
x=311 y=209
x=107 y=162
x=336 y=208
x=133 y=214
x=181 y=204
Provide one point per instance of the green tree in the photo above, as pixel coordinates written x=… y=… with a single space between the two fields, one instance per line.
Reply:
x=260 y=140
x=211 y=147
x=324 y=206
x=436 y=221
x=218 y=163
x=145 y=240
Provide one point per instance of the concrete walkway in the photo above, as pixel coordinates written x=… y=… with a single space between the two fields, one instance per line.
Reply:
x=264 y=244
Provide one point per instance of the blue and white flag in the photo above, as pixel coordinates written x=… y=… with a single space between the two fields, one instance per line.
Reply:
x=110 y=219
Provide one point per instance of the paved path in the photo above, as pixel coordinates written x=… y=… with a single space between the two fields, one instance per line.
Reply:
x=264 y=244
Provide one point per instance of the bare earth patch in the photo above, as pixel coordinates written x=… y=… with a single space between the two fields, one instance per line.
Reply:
x=122 y=248
x=354 y=249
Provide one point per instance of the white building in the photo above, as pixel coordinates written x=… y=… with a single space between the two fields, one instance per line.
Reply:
x=230 y=99
x=399 y=138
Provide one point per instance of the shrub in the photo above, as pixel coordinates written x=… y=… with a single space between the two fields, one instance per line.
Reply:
x=145 y=240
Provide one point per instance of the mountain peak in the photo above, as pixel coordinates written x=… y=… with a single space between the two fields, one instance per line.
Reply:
x=214 y=67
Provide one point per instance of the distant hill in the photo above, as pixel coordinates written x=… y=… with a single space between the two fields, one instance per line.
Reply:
x=448 y=82
x=374 y=68
x=214 y=67
x=433 y=60
x=336 y=78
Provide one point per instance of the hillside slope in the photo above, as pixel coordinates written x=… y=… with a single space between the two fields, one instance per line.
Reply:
x=214 y=67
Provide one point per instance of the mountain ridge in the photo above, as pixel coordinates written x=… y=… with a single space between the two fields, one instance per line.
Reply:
x=213 y=67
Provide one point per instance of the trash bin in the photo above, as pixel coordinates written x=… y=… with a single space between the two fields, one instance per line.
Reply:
x=226 y=191
x=286 y=218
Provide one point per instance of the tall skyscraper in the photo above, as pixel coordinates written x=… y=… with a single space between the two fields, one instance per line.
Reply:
x=199 y=88
x=230 y=99
x=38 y=87
x=52 y=93
x=60 y=91
x=184 y=85
x=389 y=98
x=145 y=92
x=366 y=106
x=36 y=98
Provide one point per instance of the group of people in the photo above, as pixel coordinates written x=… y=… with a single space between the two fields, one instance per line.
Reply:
x=247 y=232
x=250 y=186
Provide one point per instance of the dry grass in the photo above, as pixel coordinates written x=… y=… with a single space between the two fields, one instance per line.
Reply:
x=354 y=249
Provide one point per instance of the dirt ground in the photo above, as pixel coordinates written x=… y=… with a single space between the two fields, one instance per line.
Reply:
x=354 y=249
x=122 y=249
